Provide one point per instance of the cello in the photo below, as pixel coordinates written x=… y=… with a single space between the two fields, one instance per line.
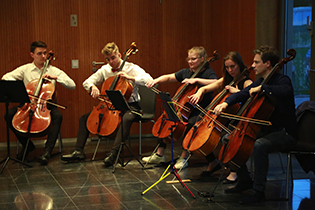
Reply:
x=204 y=137
x=34 y=118
x=161 y=127
x=241 y=141
x=102 y=120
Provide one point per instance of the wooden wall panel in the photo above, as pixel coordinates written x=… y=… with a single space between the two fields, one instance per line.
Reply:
x=163 y=32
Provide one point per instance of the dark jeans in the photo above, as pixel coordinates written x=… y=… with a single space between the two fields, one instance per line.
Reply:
x=127 y=119
x=273 y=142
x=56 y=120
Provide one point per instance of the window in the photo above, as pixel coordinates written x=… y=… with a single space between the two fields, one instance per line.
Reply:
x=298 y=37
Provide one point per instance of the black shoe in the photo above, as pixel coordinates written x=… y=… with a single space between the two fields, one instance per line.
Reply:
x=209 y=173
x=227 y=181
x=240 y=187
x=44 y=158
x=30 y=148
x=110 y=160
x=75 y=155
x=253 y=197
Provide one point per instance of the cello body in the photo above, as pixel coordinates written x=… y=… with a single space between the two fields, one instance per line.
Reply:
x=204 y=137
x=33 y=119
x=103 y=121
x=41 y=119
x=161 y=127
x=242 y=138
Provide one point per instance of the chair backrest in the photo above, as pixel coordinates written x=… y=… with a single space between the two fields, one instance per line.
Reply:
x=147 y=102
x=306 y=130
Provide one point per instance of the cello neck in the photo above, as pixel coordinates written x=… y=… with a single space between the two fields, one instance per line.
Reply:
x=201 y=68
x=133 y=49
x=292 y=53
x=214 y=57
x=44 y=70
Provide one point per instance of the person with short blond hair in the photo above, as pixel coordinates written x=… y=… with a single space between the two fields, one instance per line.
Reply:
x=130 y=72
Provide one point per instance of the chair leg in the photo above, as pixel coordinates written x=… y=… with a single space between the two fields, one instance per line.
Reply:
x=281 y=162
x=24 y=154
x=140 y=136
x=289 y=171
x=155 y=149
x=60 y=143
x=96 y=148
x=17 y=147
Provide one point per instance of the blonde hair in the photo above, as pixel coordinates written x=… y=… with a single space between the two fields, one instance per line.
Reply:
x=110 y=48
x=200 y=51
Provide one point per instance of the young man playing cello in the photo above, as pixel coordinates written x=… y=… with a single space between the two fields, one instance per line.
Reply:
x=27 y=73
x=130 y=72
x=280 y=136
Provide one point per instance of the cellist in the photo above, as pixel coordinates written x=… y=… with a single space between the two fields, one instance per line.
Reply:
x=132 y=73
x=280 y=136
x=196 y=56
x=27 y=73
x=233 y=66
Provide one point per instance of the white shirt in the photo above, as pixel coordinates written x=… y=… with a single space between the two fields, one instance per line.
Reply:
x=29 y=72
x=141 y=78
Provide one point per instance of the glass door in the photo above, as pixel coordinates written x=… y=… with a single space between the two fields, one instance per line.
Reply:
x=298 y=15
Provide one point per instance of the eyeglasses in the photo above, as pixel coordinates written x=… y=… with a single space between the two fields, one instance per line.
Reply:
x=192 y=59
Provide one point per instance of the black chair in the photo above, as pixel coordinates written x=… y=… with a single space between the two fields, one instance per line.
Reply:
x=304 y=151
x=147 y=104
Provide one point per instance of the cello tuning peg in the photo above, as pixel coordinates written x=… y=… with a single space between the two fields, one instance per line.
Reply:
x=134 y=52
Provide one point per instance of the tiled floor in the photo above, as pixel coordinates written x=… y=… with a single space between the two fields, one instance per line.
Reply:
x=88 y=185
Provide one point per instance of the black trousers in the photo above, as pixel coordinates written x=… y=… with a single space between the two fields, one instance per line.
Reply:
x=56 y=120
x=263 y=146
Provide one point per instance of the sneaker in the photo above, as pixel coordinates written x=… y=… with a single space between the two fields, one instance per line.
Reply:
x=180 y=163
x=253 y=197
x=154 y=159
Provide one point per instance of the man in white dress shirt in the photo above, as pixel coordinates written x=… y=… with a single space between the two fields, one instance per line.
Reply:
x=133 y=74
x=27 y=73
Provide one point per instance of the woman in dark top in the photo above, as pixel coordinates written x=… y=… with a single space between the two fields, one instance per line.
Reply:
x=233 y=66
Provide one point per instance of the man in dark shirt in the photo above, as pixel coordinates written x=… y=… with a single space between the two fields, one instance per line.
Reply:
x=280 y=136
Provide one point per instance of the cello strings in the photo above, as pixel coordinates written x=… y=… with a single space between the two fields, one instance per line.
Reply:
x=176 y=113
x=215 y=121
x=104 y=100
x=185 y=108
x=48 y=102
x=236 y=117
